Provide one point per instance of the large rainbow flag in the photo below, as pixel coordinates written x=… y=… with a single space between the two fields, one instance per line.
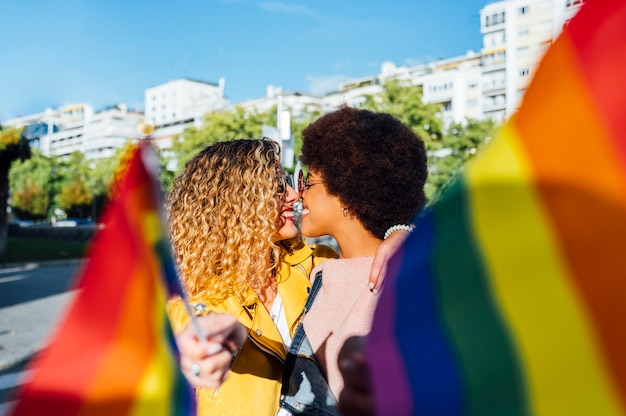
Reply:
x=510 y=296
x=114 y=353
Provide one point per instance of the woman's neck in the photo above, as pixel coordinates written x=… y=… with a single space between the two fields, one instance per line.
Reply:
x=267 y=294
x=356 y=242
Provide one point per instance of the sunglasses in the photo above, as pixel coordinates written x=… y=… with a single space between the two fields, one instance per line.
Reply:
x=305 y=183
x=282 y=185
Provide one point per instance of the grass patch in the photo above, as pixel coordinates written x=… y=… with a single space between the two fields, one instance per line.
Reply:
x=24 y=250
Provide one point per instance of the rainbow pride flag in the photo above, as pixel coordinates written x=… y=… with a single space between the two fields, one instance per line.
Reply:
x=114 y=353
x=510 y=296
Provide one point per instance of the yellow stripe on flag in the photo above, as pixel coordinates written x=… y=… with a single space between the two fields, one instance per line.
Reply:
x=549 y=327
x=158 y=381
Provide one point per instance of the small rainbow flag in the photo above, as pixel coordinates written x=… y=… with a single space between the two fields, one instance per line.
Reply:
x=510 y=296
x=114 y=353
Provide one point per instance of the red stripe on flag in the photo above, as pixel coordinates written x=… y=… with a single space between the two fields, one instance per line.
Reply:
x=601 y=54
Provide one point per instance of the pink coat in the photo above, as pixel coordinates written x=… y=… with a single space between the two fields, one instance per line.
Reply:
x=343 y=307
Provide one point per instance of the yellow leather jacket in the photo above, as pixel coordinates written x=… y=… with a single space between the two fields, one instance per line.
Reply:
x=253 y=386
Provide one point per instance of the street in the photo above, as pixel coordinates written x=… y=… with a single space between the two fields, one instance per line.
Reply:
x=32 y=300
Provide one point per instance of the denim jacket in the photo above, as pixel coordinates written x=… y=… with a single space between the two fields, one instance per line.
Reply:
x=305 y=390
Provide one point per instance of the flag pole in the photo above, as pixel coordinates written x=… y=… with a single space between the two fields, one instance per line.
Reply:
x=145 y=129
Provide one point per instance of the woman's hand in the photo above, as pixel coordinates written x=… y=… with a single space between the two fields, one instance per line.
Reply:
x=205 y=363
x=387 y=248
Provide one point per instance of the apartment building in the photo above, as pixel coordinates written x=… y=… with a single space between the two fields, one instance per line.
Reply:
x=59 y=132
x=353 y=92
x=177 y=104
x=110 y=129
x=453 y=83
x=516 y=34
x=489 y=84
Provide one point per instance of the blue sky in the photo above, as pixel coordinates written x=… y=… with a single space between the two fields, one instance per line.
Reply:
x=63 y=52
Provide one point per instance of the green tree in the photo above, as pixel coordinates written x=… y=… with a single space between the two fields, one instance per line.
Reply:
x=217 y=127
x=30 y=185
x=462 y=142
x=299 y=124
x=101 y=174
x=76 y=192
x=448 y=149
x=13 y=146
x=103 y=170
x=404 y=101
x=166 y=175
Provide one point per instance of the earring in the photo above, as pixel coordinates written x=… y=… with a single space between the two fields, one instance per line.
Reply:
x=344 y=211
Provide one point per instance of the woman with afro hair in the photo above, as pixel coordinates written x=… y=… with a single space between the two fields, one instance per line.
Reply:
x=366 y=175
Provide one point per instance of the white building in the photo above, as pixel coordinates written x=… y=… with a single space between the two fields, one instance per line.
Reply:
x=78 y=128
x=180 y=103
x=66 y=128
x=454 y=83
x=516 y=33
x=108 y=130
x=182 y=100
x=352 y=93
x=296 y=102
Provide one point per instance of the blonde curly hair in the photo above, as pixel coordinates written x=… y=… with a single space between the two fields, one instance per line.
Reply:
x=223 y=211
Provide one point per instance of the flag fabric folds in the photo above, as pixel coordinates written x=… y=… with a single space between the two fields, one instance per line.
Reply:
x=510 y=296
x=114 y=351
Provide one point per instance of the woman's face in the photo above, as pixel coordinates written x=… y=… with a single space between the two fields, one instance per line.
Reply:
x=320 y=211
x=286 y=197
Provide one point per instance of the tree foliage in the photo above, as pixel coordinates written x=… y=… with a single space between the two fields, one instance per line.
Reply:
x=31 y=184
x=9 y=138
x=13 y=146
x=76 y=189
x=79 y=187
x=448 y=149
x=218 y=127
x=103 y=170
x=461 y=143
x=404 y=101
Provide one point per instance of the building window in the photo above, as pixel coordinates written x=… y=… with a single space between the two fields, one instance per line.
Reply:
x=494 y=19
x=523 y=72
x=524 y=31
x=523 y=51
x=497 y=58
x=523 y=10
